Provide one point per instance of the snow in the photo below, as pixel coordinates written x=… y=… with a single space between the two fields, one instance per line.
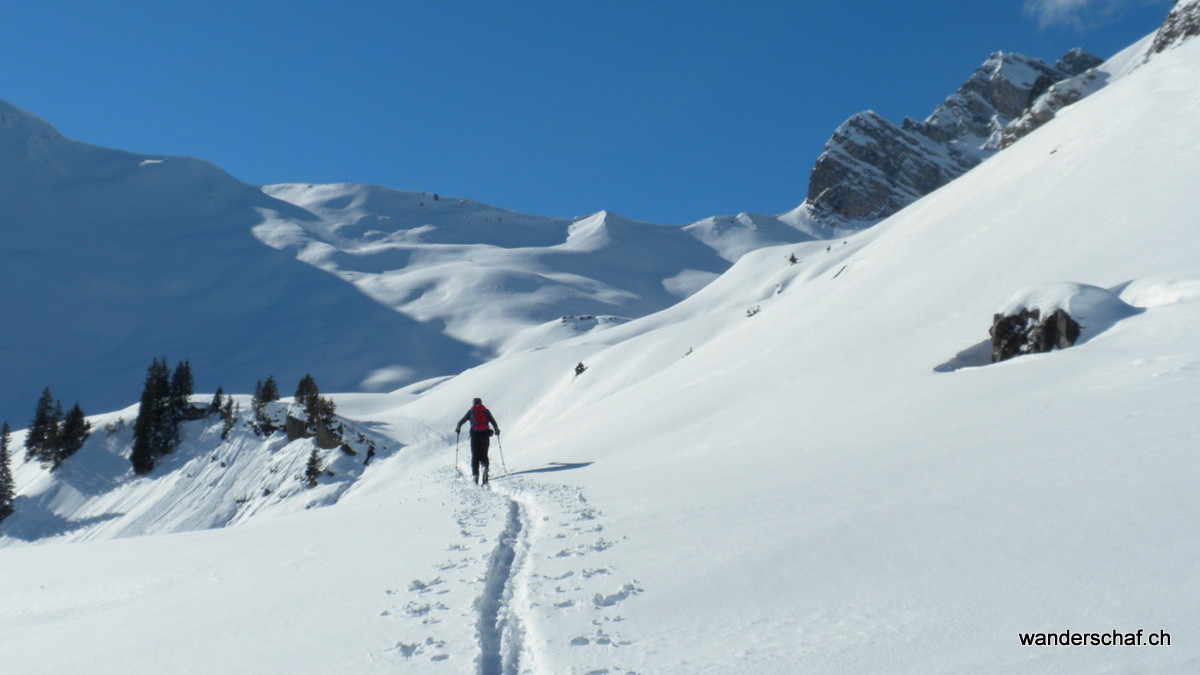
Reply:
x=796 y=490
x=1095 y=309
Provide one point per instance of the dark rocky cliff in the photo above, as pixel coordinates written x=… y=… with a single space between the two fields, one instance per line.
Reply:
x=872 y=168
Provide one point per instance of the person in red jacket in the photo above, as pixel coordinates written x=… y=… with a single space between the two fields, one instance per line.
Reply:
x=480 y=418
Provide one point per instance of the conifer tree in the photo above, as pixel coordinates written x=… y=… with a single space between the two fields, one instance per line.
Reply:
x=317 y=409
x=218 y=401
x=53 y=443
x=270 y=390
x=306 y=389
x=264 y=393
x=181 y=389
x=154 y=430
x=7 y=488
x=322 y=411
x=227 y=416
x=75 y=430
x=313 y=471
x=35 y=438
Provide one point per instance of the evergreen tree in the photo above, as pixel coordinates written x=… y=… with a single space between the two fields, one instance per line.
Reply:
x=227 y=416
x=181 y=389
x=264 y=393
x=35 y=438
x=306 y=390
x=75 y=430
x=270 y=390
x=313 y=471
x=218 y=401
x=154 y=430
x=7 y=488
x=52 y=446
x=322 y=411
x=317 y=409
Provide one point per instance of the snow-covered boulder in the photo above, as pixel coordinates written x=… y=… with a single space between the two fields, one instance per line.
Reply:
x=1053 y=316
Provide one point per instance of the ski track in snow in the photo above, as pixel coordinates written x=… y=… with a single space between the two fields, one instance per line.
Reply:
x=525 y=577
x=500 y=632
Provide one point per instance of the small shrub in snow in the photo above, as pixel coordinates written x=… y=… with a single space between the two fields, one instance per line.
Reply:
x=753 y=310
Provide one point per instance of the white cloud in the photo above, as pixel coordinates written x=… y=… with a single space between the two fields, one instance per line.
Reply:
x=1078 y=14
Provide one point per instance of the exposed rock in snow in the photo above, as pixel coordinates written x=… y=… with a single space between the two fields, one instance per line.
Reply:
x=1181 y=23
x=1054 y=316
x=1046 y=106
x=1078 y=61
x=1026 y=332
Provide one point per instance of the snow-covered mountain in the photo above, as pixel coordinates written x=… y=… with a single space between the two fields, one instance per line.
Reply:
x=111 y=259
x=872 y=168
x=803 y=466
x=485 y=274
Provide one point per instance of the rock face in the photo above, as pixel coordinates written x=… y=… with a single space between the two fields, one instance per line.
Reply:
x=327 y=439
x=872 y=168
x=1027 y=333
x=1181 y=23
x=1046 y=106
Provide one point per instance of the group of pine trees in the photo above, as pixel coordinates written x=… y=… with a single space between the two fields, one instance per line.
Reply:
x=163 y=407
x=53 y=436
x=165 y=403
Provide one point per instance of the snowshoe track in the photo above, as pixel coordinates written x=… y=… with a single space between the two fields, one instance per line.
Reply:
x=501 y=634
x=544 y=596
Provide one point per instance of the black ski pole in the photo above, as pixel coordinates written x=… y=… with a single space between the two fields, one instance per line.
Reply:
x=502 y=462
x=457 y=438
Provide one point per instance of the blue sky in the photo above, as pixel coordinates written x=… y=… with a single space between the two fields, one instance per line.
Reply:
x=661 y=111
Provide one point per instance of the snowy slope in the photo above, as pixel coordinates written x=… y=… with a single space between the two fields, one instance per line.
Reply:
x=111 y=259
x=212 y=479
x=807 y=491
x=484 y=273
x=776 y=474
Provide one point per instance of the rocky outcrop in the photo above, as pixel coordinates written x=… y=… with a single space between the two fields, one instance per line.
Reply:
x=1078 y=61
x=327 y=438
x=872 y=168
x=1046 y=106
x=1182 y=22
x=1026 y=332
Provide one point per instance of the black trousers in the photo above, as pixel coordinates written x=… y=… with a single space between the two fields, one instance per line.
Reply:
x=479 y=453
